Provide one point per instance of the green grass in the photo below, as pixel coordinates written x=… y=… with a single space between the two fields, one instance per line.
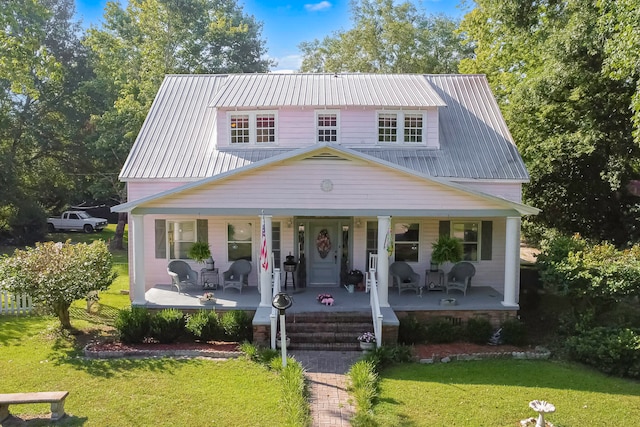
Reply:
x=35 y=356
x=497 y=393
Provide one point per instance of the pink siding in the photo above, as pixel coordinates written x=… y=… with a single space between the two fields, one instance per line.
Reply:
x=512 y=192
x=356 y=185
x=139 y=189
x=296 y=127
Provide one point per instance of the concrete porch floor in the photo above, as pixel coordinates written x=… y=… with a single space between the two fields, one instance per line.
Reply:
x=304 y=299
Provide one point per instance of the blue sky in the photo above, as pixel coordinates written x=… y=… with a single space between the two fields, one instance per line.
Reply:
x=287 y=24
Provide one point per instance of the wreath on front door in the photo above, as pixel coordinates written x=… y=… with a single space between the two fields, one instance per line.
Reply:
x=323 y=243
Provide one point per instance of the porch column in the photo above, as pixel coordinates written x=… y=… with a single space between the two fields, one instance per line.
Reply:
x=384 y=222
x=511 y=261
x=139 y=288
x=265 y=274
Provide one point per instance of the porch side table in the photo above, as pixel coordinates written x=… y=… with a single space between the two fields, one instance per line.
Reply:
x=434 y=280
x=209 y=279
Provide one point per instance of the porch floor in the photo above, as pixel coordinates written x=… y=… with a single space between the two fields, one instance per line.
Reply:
x=304 y=300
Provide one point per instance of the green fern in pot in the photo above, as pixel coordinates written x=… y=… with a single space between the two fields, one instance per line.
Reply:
x=446 y=249
x=199 y=252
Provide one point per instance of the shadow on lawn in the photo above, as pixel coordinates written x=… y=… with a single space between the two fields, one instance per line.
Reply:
x=25 y=421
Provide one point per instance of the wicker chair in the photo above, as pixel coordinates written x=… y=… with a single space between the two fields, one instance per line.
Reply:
x=404 y=277
x=237 y=275
x=459 y=278
x=181 y=275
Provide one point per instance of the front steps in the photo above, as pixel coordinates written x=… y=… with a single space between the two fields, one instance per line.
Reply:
x=336 y=331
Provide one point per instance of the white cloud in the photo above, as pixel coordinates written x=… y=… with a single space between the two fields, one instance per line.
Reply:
x=315 y=7
x=289 y=63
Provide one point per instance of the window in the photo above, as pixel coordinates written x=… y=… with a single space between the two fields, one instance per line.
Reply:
x=468 y=233
x=407 y=242
x=409 y=125
x=239 y=238
x=275 y=244
x=327 y=127
x=180 y=236
x=253 y=128
x=372 y=239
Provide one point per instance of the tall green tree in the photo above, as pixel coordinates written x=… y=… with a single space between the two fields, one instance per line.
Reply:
x=545 y=59
x=388 y=38
x=137 y=46
x=42 y=112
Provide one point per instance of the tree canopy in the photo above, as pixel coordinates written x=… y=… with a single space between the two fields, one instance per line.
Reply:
x=388 y=38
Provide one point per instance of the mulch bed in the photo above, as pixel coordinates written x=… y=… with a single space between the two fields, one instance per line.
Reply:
x=438 y=351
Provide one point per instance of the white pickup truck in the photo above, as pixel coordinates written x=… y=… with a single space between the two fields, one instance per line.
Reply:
x=76 y=220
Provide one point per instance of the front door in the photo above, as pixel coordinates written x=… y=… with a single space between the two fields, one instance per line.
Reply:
x=325 y=249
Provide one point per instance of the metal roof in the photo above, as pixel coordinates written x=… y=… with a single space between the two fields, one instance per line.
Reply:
x=325 y=90
x=177 y=142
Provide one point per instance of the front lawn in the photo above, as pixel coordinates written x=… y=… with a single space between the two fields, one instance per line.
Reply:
x=497 y=393
x=35 y=356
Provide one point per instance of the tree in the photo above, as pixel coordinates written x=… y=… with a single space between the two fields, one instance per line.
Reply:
x=56 y=274
x=43 y=113
x=134 y=50
x=546 y=62
x=388 y=38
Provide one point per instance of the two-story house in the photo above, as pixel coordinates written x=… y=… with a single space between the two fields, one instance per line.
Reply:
x=335 y=167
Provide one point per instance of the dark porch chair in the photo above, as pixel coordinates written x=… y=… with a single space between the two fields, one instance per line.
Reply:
x=459 y=278
x=404 y=277
x=237 y=275
x=182 y=275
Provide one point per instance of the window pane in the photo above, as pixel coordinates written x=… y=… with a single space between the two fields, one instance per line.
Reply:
x=239 y=240
x=407 y=252
x=327 y=127
x=407 y=232
x=372 y=239
x=413 y=128
x=467 y=232
x=239 y=251
x=407 y=241
x=275 y=244
x=240 y=129
x=266 y=128
x=387 y=127
x=181 y=235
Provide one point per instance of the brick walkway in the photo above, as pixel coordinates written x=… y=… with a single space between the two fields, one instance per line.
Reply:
x=330 y=402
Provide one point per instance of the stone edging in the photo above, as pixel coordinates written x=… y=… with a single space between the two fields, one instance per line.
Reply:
x=115 y=354
x=538 y=353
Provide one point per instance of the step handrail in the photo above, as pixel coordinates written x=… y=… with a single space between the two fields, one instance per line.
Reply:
x=376 y=313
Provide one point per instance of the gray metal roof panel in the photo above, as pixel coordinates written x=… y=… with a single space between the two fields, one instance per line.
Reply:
x=326 y=90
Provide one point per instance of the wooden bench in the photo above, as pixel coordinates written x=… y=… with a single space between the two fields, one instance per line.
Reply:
x=56 y=398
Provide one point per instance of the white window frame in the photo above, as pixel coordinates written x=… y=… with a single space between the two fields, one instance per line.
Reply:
x=318 y=128
x=172 y=242
x=229 y=242
x=416 y=243
x=253 y=127
x=400 y=116
x=477 y=242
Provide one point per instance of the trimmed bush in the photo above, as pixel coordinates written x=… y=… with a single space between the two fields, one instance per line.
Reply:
x=411 y=331
x=237 y=326
x=385 y=356
x=205 y=325
x=615 y=351
x=363 y=379
x=514 y=332
x=479 y=330
x=167 y=325
x=440 y=331
x=133 y=324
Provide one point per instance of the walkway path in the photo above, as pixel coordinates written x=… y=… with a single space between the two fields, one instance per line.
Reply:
x=330 y=402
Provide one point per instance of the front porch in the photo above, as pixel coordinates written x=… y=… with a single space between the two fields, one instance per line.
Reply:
x=479 y=299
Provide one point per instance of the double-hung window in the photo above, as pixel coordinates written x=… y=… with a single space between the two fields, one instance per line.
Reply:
x=252 y=128
x=239 y=240
x=327 y=123
x=400 y=127
x=181 y=235
x=469 y=234
x=407 y=242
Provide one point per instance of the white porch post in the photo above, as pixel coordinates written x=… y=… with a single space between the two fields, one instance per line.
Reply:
x=384 y=222
x=265 y=276
x=511 y=260
x=139 y=288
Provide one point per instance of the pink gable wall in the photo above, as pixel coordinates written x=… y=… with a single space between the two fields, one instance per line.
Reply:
x=297 y=184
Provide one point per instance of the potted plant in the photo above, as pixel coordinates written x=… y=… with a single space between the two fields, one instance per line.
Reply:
x=200 y=252
x=367 y=341
x=446 y=249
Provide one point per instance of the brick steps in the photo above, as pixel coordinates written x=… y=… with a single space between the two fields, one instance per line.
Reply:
x=327 y=331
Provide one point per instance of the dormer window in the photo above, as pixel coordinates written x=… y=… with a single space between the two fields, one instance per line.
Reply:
x=327 y=123
x=252 y=128
x=400 y=127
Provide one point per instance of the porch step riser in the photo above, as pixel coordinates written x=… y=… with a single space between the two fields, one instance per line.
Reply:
x=327 y=331
x=328 y=327
x=324 y=346
x=328 y=318
x=325 y=337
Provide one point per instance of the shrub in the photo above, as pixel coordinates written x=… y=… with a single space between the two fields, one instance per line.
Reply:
x=514 y=332
x=167 y=325
x=133 y=324
x=294 y=405
x=411 y=330
x=363 y=380
x=384 y=356
x=479 y=330
x=442 y=331
x=614 y=351
x=205 y=325
x=237 y=326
